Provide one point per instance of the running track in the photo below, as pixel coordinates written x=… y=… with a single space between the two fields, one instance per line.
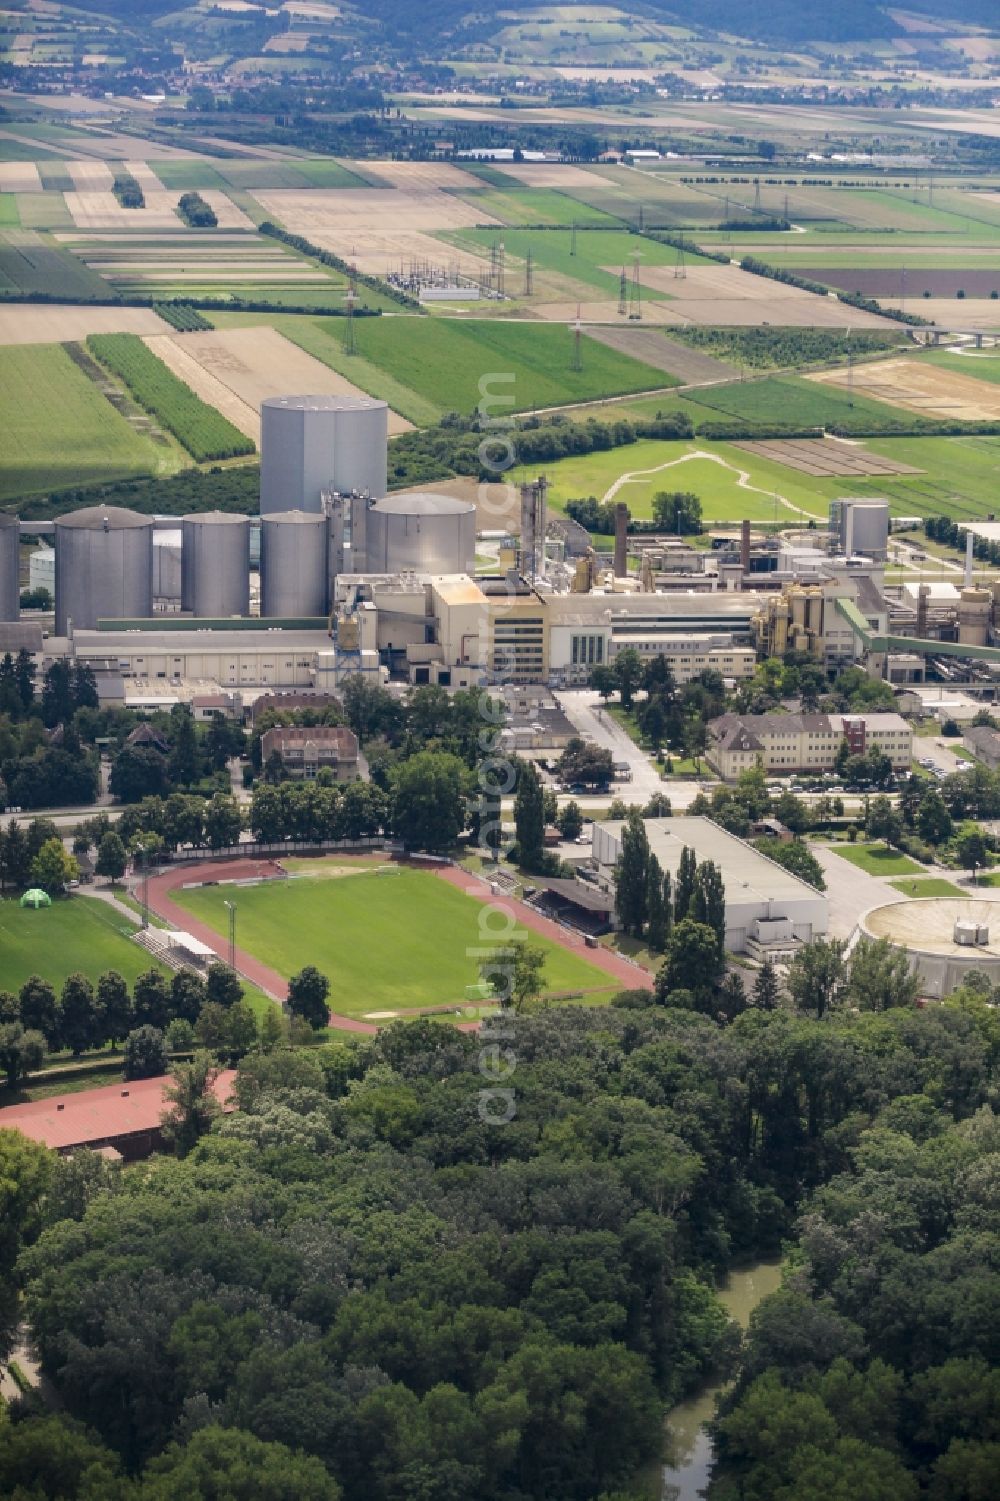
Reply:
x=161 y=887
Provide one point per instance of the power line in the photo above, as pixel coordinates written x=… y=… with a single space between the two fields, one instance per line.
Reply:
x=623 y=293
x=529 y=275
x=577 y=337
x=635 y=301
x=572 y=243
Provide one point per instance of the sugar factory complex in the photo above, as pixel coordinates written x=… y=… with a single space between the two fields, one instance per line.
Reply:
x=338 y=577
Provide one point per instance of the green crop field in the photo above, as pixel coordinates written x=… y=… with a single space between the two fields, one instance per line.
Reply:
x=878 y=859
x=983 y=365
x=521 y=206
x=42 y=394
x=28 y=264
x=387 y=942
x=526 y=365
x=188 y=176
x=204 y=432
x=9 y=217
x=74 y=934
x=796 y=402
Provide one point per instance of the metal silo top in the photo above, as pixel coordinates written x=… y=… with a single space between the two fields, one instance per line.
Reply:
x=218 y=518
x=423 y=503
x=324 y=403
x=104 y=519
x=295 y=518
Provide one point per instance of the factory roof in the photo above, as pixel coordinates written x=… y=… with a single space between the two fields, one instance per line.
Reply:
x=756 y=725
x=748 y=875
x=458 y=589
x=16 y=635
x=112 y=643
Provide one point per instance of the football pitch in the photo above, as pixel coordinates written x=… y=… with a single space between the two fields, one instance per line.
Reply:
x=388 y=939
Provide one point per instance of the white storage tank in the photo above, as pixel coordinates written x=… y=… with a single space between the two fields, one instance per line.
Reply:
x=294 y=572
x=421 y=531
x=309 y=444
x=10 y=590
x=104 y=567
x=215 y=564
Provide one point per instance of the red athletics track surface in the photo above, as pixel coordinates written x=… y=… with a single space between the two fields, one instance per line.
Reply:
x=629 y=976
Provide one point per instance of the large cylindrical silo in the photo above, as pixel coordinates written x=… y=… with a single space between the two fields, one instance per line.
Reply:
x=215 y=564
x=10 y=591
x=309 y=444
x=294 y=574
x=421 y=531
x=104 y=567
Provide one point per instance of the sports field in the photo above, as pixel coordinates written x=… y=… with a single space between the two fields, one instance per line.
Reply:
x=392 y=941
x=74 y=934
x=42 y=392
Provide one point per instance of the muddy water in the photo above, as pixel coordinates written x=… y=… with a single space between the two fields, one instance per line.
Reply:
x=688 y=1448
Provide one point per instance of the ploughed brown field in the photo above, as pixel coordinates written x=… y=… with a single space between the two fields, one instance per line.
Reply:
x=825 y=456
x=888 y=281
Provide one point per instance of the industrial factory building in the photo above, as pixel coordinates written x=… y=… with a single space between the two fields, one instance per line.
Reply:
x=765 y=904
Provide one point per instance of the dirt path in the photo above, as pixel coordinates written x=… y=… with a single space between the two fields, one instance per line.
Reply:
x=742 y=482
x=628 y=975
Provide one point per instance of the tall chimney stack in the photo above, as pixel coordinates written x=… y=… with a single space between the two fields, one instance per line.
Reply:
x=969 y=544
x=621 y=540
x=745 y=546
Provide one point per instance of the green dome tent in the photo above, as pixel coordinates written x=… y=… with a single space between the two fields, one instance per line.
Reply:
x=36 y=897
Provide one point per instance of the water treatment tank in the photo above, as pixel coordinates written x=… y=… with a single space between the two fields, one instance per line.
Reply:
x=104 y=567
x=215 y=564
x=294 y=572
x=420 y=531
x=313 y=443
x=10 y=592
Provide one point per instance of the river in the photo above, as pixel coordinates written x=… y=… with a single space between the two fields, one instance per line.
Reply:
x=688 y=1447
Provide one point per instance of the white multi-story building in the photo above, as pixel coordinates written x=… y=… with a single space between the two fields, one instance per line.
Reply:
x=785 y=743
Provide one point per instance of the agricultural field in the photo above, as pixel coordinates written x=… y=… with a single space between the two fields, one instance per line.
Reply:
x=825 y=456
x=530 y=366
x=915 y=383
x=203 y=431
x=42 y=392
x=31 y=263
x=910 y=282
x=233 y=370
x=389 y=942
x=794 y=401
x=75 y=934
x=57 y=323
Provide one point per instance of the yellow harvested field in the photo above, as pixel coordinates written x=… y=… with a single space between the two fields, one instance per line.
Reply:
x=918 y=387
x=53 y=323
x=91 y=176
x=726 y=295
x=549 y=175
x=659 y=313
x=415 y=176
x=103 y=211
x=145 y=177
x=234 y=369
x=346 y=211
x=19 y=177
x=226 y=272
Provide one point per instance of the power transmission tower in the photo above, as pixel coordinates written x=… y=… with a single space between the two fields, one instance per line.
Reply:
x=756 y=195
x=635 y=301
x=642 y=220
x=902 y=289
x=572 y=243
x=680 y=267
x=623 y=293
x=500 y=261
x=787 y=220
x=725 y=209
x=529 y=275
x=850 y=371
x=352 y=292
x=577 y=337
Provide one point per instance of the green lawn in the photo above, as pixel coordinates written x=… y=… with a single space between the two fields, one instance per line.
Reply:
x=927 y=886
x=74 y=934
x=714 y=476
x=523 y=365
x=878 y=859
x=387 y=942
x=57 y=429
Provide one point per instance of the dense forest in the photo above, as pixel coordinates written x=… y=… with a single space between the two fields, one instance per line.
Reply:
x=429 y=1266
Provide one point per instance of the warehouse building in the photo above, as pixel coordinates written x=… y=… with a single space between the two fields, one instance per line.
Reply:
x=766 y=905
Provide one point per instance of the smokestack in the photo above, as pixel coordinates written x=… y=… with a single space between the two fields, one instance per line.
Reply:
x=745 y=546
x=969 y=544
x=621 y=540
x=923 y=596
x=541 y=522
x=528 y=530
